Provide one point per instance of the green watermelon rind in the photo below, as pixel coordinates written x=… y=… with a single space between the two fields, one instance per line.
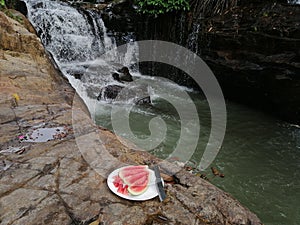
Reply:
x=140 y=192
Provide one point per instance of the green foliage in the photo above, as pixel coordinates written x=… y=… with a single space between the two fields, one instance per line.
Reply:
x=2 y=4
x=155 y=7
x=13 y=16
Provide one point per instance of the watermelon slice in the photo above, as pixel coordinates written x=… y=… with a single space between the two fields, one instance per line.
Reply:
x=136 y=177
x=131 y=179
x=139 y=186
x=117 y=181
x=131 y=170
x=119 y=184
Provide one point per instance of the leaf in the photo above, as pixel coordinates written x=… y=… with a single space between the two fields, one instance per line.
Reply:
x=2 y=2
x=215 y=171
x=96 y=222
x=16 y=96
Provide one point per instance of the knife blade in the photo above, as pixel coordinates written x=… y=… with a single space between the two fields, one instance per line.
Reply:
x=159 y=184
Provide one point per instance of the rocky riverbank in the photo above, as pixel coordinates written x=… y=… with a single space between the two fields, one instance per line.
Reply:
x=47 y=178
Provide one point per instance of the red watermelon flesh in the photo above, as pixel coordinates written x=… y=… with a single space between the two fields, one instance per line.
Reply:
x=131 y=170
x=127 y=168
x=119 y=184
x=131 y=179
x=117 y=181
x=139 y=186
x=137 y=190
x=136 y=177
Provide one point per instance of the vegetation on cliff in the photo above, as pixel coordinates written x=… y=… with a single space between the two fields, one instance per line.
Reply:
x=161 y=6
x=205 y=7
x=2 y=4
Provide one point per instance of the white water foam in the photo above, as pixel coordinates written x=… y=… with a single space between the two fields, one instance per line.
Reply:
x=76 y=39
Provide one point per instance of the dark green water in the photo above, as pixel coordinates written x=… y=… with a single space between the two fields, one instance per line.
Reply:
x=260 y=155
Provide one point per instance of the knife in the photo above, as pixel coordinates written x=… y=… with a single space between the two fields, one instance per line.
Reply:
x=159 y=184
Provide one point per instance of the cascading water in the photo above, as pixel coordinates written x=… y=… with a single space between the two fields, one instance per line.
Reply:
x=193 y=38
x=77 y=39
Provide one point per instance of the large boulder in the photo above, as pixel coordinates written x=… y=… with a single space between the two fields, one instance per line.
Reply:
x=109 y=92
x=125 y=75
x=120 y=93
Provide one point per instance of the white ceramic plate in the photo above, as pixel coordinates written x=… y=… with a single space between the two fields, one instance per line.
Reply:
x=151 y=192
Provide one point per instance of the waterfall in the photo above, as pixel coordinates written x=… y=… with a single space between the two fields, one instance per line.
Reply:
x=76 y=38
x=193 y=38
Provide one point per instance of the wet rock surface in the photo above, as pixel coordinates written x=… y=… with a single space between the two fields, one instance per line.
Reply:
x=63 y=180
x=252 y=51
x=255 y=58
